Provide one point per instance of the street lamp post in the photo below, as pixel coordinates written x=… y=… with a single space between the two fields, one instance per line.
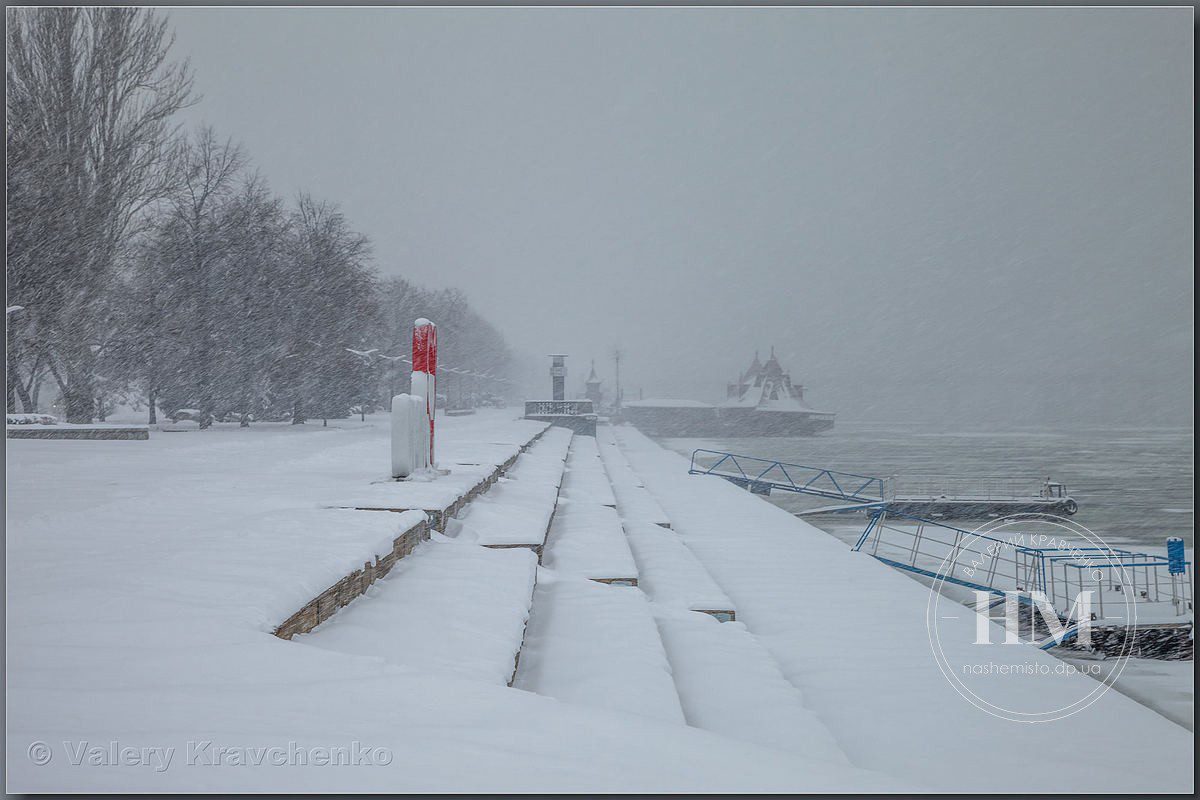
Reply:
x=617 y=358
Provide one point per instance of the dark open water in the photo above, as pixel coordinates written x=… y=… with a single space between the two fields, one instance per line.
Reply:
x=1133 y=485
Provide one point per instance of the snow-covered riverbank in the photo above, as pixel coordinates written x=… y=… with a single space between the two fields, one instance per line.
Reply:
x=144 y=578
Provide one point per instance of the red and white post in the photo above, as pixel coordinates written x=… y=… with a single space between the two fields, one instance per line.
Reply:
x=413 y=414
x=424 y=376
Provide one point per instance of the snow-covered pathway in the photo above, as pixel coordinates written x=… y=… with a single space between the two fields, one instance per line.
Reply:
x=586 y=538
x=587 y=642
x=517 y=511
x=585 y=479
x=850 y=634
x=648 y=650
x=633 y=501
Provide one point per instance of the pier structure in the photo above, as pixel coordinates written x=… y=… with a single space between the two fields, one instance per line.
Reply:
x=578 y=415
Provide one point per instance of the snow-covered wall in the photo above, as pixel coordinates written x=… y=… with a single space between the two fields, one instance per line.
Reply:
x=414 y=527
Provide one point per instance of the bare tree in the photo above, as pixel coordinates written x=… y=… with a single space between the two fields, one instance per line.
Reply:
x=333 y=289
x=212 y=169
x=91 y=96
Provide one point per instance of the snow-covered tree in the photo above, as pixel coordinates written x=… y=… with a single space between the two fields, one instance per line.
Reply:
x=90 y=98
x=331 y=291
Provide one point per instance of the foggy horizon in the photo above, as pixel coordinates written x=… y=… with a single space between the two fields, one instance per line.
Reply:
x=943 y=215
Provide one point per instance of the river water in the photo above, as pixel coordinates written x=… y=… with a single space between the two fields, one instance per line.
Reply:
x=1134 y=486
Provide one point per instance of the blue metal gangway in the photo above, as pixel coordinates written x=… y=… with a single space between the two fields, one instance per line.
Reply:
x=929 y=496
x=762 y=476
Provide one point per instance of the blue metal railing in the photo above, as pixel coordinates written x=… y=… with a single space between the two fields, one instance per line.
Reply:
x=989 y=563
x=761 y=474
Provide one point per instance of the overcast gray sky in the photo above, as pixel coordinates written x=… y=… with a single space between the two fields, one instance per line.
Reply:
x=970 y=215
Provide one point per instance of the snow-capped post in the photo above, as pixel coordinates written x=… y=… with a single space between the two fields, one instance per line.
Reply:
x=424 y=376
x=408 y=435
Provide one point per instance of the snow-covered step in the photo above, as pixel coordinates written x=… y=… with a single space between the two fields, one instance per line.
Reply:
x=587 y=540
x=729 y=684
x=585 y=479
x=469 y=472
x=405 y=530
x=461 y=602
x=544 y=461
x=449 y=608
x=634 y=502
x=518 y=510
x=598 y=646
x=670 y=574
